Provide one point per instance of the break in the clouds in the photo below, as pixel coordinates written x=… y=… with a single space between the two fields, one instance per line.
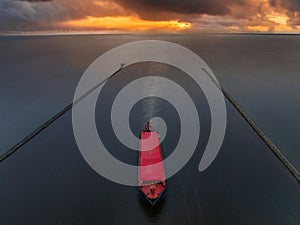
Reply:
x=151 y=15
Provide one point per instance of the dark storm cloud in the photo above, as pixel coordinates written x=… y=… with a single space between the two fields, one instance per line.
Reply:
x=46 y=14
x=148 y=8
x=293 y=5
x=27 y=15
x=35 y=0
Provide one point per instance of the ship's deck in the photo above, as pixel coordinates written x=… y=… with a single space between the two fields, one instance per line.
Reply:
x=151 y=168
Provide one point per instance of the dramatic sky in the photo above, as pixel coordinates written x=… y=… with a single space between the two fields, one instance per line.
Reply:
x=151 y=15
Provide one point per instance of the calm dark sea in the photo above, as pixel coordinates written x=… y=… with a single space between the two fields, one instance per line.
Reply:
x=48 y=182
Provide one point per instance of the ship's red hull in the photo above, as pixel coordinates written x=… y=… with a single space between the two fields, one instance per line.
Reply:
x=151 y=174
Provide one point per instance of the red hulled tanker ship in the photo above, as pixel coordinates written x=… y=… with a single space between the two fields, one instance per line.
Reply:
x=151 y=172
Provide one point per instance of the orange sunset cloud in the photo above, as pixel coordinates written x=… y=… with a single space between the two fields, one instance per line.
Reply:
x=125 y=23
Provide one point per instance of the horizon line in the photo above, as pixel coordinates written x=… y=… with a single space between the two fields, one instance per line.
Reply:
x=62 y=33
